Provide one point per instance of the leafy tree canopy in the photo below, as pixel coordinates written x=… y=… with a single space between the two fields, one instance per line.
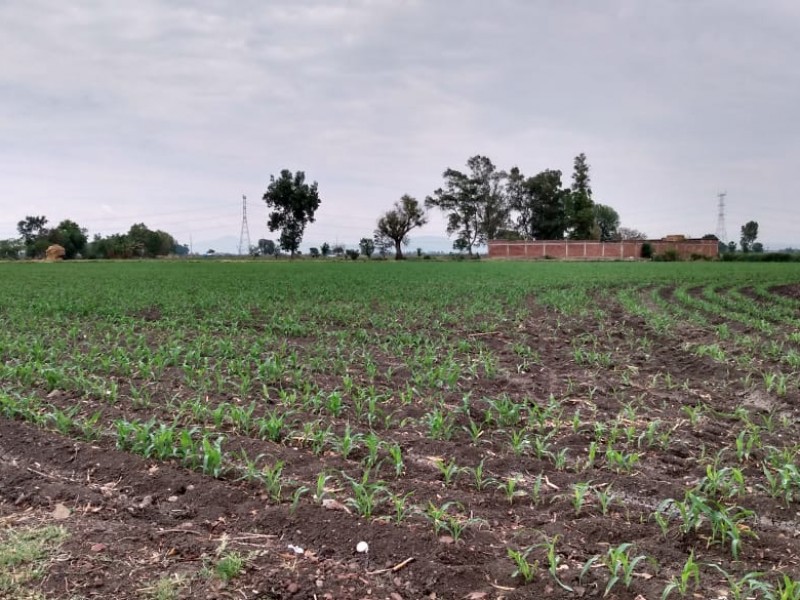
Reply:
x=71 y=236
x=547 y=206
x=31 y=228
x=580 y=206
x=266 y=247
x=749 y=235
x=475 y=203
x=628 y=233
x=396 y=224
x=607 y=220
x=294 y=202
x=367 y=247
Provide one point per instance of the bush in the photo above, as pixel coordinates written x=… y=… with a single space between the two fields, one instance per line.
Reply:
x=352 y=254
x=10 y=249
x=668 y=256
x=647 y=250
x=754 y=257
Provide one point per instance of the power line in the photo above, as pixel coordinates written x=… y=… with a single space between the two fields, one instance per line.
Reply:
x=244 y=235
x=722 y=232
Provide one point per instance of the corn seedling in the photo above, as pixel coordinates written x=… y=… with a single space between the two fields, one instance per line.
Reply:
x=321 y=488
x=212 y=463
x=396 y=458
x=509 y=488
x=518 y=440
x=455 y=525
x=440 y=424
x=604 y=498
x=782 y=482
x=475 y=432
x=401 y=509
x=438 y=516
x=620 y=565
x=620 y=461
x=480 y=480
x=272 y=476
x=553 y=560
x=367 y=495
x=723 y=483
x=296 y=496
x=524 y=568
x=372 y=444
x=747 y=440
x=249 y=469
x=348 y=442
x=742 y=588
x=786 y=589
x=229 y=566
x=448 y=471
x=689 y=573
x=560 y=459
x=578 y=497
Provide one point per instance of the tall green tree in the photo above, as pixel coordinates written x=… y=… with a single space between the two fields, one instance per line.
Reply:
x=118 y=245
x=539 y=203
x=31 y=228
x=493 y=208
x=629 y=233
x=294 y=202
x=580 y=206
x=11 y=249
x=548 y=219
x=396 y=224
x=749 y=235
x=367 y=247
x=518 y=200
x=475 y=203
x=33 y=231
x=71 y=236
x=148 y=243
x=266 y=247
x=607 y=221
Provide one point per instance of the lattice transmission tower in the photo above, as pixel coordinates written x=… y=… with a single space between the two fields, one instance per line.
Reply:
x=722 y=232
x=244 y=236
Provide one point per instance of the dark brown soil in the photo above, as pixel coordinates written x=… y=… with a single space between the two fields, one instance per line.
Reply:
x=134 y=520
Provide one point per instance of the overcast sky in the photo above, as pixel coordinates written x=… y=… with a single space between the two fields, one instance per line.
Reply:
x=167 y=112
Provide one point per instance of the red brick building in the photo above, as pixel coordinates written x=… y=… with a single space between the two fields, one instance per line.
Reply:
x=592 y=250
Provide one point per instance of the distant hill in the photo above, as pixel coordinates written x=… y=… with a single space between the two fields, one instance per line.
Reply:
x=222 y=245
x=230 y=244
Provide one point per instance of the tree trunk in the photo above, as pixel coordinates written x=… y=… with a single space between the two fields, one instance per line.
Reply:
x=398 y=250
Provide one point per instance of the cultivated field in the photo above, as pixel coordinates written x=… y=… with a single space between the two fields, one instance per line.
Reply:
x=490 y=430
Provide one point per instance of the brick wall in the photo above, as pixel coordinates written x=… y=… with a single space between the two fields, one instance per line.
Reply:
x=597 y=250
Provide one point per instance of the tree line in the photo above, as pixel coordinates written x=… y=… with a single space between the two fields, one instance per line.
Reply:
x=480 y=204
x=139 y=242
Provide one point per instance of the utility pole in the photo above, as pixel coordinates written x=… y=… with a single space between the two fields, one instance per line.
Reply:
x=244 y=235
x=722 y=232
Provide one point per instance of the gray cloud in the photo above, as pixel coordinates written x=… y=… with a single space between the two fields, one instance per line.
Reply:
x=166 y=112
